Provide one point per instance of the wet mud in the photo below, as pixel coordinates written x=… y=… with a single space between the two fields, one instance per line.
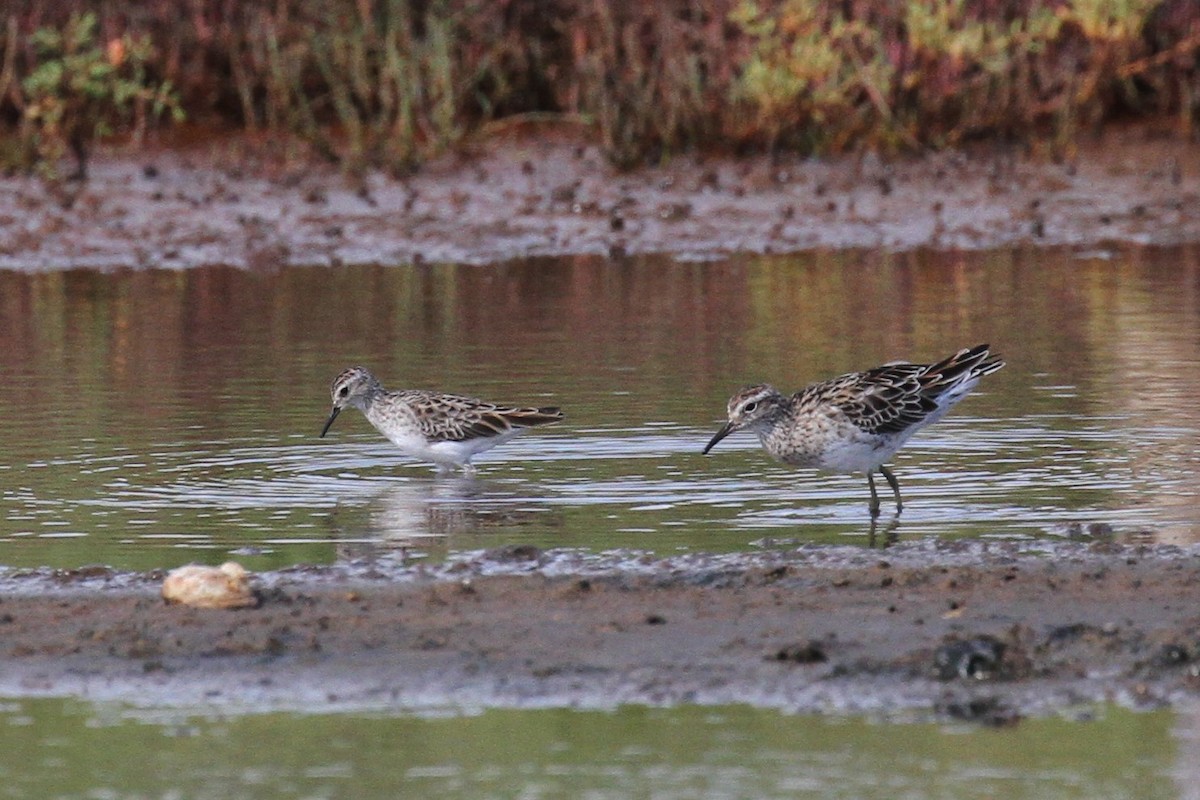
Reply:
x=554 y=194
x=984 y=632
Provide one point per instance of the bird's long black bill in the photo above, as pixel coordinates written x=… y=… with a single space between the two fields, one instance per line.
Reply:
x=332 y=416
x=721 y=434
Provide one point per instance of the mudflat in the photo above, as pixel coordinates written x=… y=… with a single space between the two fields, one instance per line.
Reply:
x=554 y=195
x=986 y=632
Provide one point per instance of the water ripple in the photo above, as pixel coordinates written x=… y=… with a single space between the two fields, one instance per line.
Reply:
x=645 y=486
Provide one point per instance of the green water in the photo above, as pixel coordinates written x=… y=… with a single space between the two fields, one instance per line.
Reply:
x=70 y=749
x=156 y=417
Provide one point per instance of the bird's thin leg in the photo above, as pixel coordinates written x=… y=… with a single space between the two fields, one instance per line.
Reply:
x=468 y=469
x=874 y=496
x=891 y=479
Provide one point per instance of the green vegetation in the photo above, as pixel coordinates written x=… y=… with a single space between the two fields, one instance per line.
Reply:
x=390 y=82
x=77 y=91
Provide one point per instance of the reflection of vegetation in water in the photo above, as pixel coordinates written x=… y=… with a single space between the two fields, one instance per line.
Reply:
x=388 y=83
x=687 y=751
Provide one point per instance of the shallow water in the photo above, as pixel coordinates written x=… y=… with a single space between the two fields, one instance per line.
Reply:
x=157 y=417
x=71 y=749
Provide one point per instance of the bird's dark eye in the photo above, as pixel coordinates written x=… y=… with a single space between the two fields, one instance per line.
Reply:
x=751 y=406
x=345 y=390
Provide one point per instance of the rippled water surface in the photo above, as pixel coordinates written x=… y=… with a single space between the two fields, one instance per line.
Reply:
x=67 y=749
x=157 y=417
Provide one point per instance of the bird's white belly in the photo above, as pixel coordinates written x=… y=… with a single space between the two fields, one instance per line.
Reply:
x=446 y=453
x=864 y=453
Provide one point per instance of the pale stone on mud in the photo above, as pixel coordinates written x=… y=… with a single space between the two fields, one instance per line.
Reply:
x=226 y=586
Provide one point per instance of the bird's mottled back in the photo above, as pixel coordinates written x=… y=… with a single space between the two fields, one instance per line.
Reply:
x=896 y=397
x=455 y=418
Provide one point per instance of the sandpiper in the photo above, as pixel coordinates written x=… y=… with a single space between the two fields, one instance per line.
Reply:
x=447 y=429
x=856 y=422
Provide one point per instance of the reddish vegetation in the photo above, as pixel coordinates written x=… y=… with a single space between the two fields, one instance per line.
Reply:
x=380 y=83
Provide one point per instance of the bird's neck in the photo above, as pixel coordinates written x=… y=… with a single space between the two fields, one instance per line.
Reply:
x=364 y=401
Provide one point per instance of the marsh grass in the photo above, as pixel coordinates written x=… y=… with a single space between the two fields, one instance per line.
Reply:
x=388 y=83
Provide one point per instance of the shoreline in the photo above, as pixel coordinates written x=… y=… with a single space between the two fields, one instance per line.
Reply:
x=521 y=197
x=982 y=632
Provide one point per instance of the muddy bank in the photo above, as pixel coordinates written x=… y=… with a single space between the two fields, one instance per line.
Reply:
x=230 y=203
x=976 y=631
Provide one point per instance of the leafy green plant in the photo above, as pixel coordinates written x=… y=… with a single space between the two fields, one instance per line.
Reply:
x=81 y=90
x=814 y=75
x=829 y=76
x=395 y=94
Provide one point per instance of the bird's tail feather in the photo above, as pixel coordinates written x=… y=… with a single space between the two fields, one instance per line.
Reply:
x=959 y=373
